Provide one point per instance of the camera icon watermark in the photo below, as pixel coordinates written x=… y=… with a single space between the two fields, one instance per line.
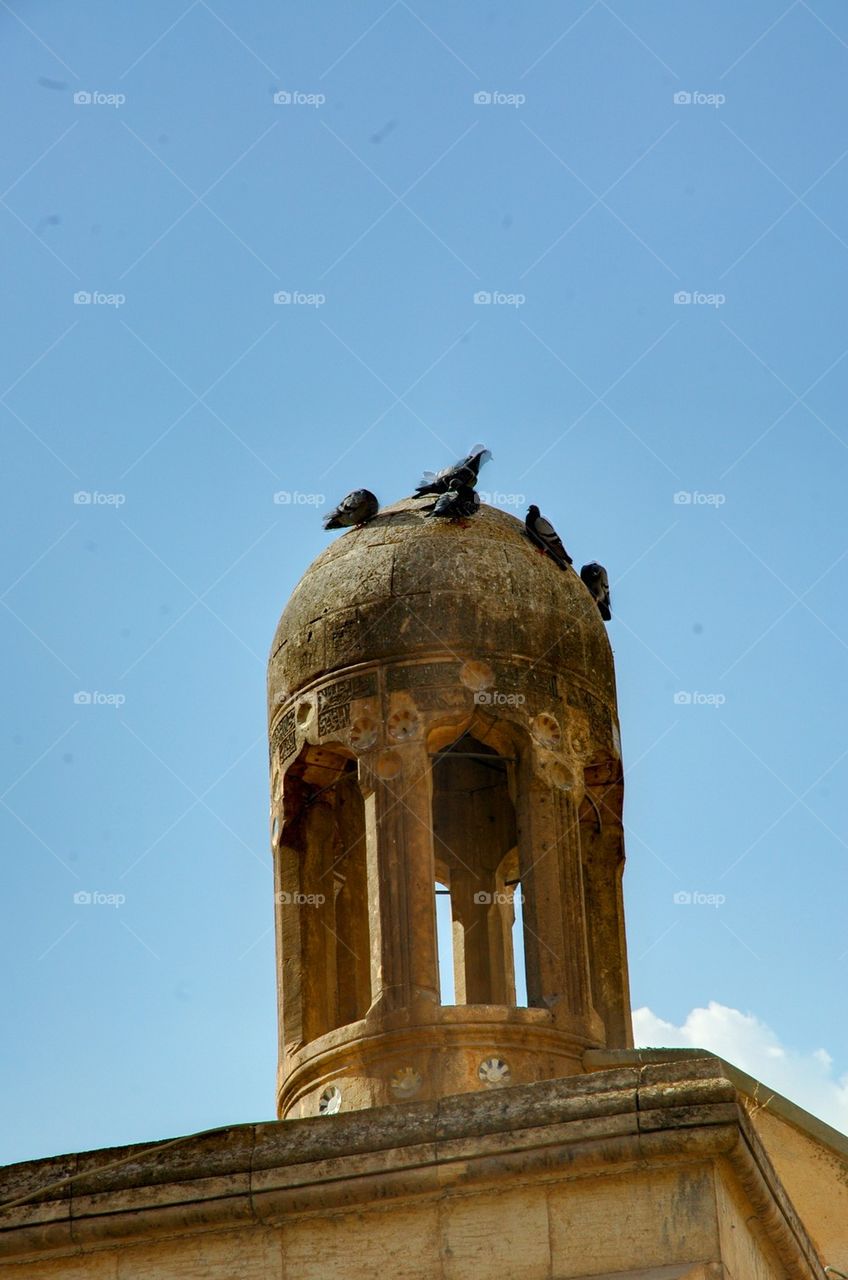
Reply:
x=94 y=698
x=494 y=698
x=87 y=298
x=94 y=498
x=294 y=498
x=687 y=698
x=297 y=98
x=286 y=899
x=94 y=98
x=697 y=298
x=296 y=298
x=95 y=898
x=683 y=898
x=496 y=298
x=696 y=98
x=694 y=498
x=495 y=98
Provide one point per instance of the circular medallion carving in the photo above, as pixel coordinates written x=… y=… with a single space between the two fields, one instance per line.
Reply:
x=405 y=1082
x=330 y=1101
x=403 y=725
x=494 y=1070
x=363 y=733
x=546 y=730
x=476 y=675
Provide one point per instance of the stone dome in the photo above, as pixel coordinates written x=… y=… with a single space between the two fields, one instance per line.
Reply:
x=407 y=586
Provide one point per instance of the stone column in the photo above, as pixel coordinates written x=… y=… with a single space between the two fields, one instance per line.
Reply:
x=396 y=786
x=603 y=865
x=289 y=946
x=556 y=950
x=316 y=910
x=353 y=949
x=482 y=963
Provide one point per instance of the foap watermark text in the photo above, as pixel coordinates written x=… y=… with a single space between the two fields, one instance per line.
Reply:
x=496 y=98
x=294 y=498
x=297 y=298
x=494 y=698
x=95 y=898
x=692 y=698
x=297 y=98
x=501 y=897
x=94 y=698
x=94 y=498
x=496 y=298
x=694 y=498
x=697 y=98
x=697 y=298
x=95 y=98
x=695 y=898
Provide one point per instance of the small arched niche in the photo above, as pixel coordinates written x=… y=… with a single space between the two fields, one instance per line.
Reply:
x=322 y=895
x=474 y=845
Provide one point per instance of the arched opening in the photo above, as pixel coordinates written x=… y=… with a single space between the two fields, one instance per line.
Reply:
x=474 y=833
x=444 y=943
x=322 y=896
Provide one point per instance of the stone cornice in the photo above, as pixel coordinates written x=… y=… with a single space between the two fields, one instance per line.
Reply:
x=612 y=1121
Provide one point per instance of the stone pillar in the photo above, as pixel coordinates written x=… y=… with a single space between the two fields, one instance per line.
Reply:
x=479 y=957
x=399 y=840
x=316 y=909
x=556 y=948
x=289 y=944
x=603 y=865
x=353 y=949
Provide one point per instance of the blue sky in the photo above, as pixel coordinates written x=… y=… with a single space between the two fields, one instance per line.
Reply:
x=617 y=156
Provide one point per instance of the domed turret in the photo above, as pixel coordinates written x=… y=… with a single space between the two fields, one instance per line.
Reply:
x=442 y=715
x=406 y=586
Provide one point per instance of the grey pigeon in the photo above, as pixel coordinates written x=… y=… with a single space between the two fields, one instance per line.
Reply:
x=544 y=535
x=464 y=472
x=356 y=509
x=458 y=503
x=595 y=577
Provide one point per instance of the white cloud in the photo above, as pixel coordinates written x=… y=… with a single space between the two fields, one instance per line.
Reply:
x=807 y=1079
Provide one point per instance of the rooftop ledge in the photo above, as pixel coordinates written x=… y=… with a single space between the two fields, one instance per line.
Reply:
x=633 y=1108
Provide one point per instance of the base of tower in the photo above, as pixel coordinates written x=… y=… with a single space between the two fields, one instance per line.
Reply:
x=458 y=1049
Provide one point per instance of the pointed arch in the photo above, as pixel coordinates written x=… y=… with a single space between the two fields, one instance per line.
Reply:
x=322 y=895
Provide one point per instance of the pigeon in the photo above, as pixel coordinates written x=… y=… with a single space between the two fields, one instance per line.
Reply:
x=595 y=577
x=458 y=503
x=464 y=472
x=544 y=535
x=357 y=508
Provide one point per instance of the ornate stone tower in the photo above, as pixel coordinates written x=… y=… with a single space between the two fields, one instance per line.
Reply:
x=443 y=714
x=442 y=718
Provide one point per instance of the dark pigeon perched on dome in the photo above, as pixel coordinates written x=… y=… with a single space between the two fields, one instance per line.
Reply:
x=596 y=579
x=356 y=509
x=464 y=472
x=542 y=533
x=459 y=503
